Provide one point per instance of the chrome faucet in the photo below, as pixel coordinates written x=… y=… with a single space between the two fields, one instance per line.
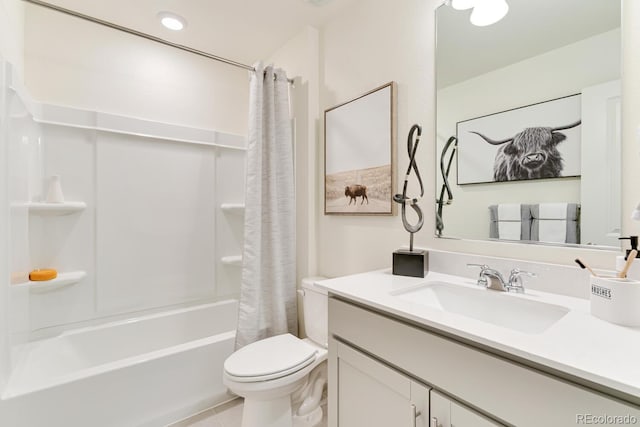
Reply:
x=491 y=278
x=515 y=280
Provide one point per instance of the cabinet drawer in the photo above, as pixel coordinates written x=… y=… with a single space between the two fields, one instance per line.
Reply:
x=511 y=392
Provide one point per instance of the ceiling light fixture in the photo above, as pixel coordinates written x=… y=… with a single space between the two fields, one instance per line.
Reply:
x=462 y=4
x=172 y=21
x=487 y=12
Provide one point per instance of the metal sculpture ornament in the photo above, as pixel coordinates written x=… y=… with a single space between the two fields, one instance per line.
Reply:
x=412 y=146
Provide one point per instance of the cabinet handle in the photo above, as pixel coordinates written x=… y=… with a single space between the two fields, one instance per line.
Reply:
x=434 y=422
x=414 y=414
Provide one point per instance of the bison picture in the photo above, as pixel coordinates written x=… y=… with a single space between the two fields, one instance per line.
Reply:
x=529 y=154
x=354 y=191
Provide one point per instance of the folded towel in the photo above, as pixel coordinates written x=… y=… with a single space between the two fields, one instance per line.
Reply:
x=556 y=222
x=552 y=211
x=509 y=212
x=509 y=230
x=510 y=221
x=552 y=230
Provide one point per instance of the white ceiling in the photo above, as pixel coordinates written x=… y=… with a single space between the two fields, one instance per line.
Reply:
x=241 y=30
x=249 y=30
x=531 y=28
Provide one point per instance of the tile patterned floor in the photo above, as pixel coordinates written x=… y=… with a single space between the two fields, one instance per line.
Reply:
x=226 y=415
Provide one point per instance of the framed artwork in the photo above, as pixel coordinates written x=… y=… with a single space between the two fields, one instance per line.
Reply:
x=533 y=142
x=359 y=154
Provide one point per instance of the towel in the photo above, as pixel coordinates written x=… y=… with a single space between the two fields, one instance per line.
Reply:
x=510 y=221
x=509 y=230
x=509 y=212
x=556 y=222
x=552 y=230
x=552 y=211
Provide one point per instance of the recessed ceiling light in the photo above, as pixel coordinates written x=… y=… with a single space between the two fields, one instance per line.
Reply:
x=487 y=12
x=172 y=21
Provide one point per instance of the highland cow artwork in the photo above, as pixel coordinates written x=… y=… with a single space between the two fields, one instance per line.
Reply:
x=534 y=142
x=360 y=146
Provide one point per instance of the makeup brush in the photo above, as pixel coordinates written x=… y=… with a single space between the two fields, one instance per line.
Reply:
x=583 y=266
x=632 y=255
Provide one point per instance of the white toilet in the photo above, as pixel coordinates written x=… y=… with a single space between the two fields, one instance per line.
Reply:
x=282 y=378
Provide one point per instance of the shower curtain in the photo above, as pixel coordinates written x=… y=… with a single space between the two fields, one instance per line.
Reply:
x=268 y=301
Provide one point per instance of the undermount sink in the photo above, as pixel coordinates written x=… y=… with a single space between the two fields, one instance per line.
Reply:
x=497 y=308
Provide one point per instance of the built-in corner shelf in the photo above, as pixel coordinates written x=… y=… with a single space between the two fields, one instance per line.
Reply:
x=233 y=208
x=235 y=260
x=55 y=209
x=63 y=280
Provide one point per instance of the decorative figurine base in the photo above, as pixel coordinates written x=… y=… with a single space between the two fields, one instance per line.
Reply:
x=410 y=263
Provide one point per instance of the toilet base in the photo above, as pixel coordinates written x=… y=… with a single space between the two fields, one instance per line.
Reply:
x=310 y=420
x=272 y=413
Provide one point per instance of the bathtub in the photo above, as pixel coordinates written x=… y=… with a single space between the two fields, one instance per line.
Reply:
x=146 y=371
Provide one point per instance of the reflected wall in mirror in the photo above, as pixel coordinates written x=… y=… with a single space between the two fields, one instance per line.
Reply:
x=541 y=51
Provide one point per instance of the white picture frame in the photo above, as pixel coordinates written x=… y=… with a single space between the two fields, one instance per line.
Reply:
x=360 y=151
x=478 y=161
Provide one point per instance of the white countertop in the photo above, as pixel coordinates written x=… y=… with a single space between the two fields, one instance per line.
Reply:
x=578 y=344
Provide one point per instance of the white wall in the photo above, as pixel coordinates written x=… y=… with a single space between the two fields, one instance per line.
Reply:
x=299 y=57
x=369 y=44
x=377 y=41
x=517 y=85
x=12 y=32
x=77 y=63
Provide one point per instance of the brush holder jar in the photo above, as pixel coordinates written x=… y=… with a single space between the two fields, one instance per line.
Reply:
x=616 y=300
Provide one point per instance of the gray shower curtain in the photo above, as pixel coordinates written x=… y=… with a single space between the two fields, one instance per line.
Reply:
x=268 y=302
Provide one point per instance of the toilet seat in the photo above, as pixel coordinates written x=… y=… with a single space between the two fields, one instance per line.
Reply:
x=269 y=359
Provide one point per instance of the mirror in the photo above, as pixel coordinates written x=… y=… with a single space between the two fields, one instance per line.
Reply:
x=536 y=94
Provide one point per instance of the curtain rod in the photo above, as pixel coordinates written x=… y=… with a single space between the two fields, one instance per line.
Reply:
x=141 y=34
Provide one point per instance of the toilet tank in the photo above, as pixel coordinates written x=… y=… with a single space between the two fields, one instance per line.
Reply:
x=315 y=310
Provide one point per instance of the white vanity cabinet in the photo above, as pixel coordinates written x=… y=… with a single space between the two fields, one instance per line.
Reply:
x=376 y=358
x=375 y=395
x=447 y=413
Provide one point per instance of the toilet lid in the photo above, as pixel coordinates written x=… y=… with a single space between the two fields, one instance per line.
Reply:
x=269 y=358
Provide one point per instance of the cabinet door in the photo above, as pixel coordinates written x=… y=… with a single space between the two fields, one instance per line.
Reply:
x=447 y=413
x=440 y=407
x=374 y=395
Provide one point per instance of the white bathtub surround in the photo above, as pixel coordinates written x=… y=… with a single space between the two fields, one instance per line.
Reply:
x=268 y=302
x=147 y=371
x=105 y=228
x=125 y=345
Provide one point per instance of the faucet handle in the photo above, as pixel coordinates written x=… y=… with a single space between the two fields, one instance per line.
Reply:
x=482 y=280
x=515 y=280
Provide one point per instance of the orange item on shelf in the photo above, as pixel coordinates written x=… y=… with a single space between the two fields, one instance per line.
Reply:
x=44 y=274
